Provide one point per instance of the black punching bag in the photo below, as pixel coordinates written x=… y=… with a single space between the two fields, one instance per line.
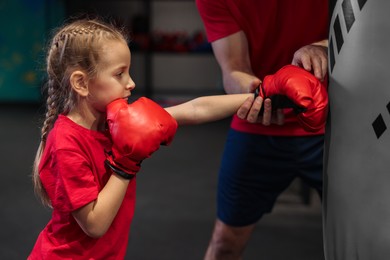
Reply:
x=357 y=147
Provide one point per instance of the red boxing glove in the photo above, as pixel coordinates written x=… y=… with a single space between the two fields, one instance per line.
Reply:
x=294 y=87
x=137 y=130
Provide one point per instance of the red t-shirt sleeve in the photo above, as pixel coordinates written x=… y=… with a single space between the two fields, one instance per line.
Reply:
x=217 y=19
x=75 y=185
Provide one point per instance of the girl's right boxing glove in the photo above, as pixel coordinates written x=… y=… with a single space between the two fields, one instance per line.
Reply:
x=294 y=87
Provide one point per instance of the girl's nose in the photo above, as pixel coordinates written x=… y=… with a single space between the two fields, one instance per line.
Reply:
x=130 y=85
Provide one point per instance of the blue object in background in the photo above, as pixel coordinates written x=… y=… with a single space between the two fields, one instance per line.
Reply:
x=24 y=29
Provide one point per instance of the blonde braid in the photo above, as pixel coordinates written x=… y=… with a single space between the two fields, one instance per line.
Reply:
x=76 y=46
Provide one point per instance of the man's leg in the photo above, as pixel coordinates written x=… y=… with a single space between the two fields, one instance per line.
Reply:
x=254 y=170
x=227 y=242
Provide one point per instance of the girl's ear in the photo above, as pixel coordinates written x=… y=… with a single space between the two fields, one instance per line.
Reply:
x=79 y=83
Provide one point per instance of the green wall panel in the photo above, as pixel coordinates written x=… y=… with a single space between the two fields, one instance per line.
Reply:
x=24 y=28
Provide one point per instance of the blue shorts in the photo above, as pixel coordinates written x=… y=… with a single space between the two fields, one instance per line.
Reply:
x=255 y=169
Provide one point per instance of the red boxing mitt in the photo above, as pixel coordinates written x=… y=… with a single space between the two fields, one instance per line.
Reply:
x=137 y=130
x=294 y=87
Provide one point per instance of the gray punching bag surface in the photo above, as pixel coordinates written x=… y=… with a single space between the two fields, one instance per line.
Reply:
x=356 y=202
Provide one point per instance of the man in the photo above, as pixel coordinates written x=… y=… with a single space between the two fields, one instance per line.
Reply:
x=250 y=40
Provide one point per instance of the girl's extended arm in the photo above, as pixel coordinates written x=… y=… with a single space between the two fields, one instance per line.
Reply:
x=96 y=217
x=209 y=108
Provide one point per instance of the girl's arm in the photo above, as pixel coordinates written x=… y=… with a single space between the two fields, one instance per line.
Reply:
x=96 y=217
x=209 y=108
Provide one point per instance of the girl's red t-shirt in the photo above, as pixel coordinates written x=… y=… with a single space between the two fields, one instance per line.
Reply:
x=72 y=172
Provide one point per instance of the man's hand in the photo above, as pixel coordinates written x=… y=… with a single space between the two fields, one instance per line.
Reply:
x=250 y=111
x=313 y=58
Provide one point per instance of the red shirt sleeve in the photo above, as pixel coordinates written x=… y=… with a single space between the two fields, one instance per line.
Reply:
x=217 y=19
x=70 y=181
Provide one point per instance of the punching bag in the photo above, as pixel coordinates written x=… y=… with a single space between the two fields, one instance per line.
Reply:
x=356 y=204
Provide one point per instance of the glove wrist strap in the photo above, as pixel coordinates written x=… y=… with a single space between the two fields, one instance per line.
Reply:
x=119 y=172
x=257 y=91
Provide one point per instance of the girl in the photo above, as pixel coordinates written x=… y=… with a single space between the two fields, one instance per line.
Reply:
x=88 y=65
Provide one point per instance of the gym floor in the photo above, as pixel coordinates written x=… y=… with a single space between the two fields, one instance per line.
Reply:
x=176 y=191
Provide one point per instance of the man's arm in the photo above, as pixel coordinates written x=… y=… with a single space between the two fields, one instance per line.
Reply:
x=232 y=55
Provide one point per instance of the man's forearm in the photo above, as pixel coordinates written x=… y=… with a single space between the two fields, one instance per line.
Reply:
x=237 y=82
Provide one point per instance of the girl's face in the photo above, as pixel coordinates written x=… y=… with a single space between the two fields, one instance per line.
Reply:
x=113 y=80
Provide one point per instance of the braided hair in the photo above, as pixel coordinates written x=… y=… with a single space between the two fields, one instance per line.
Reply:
x=75 y=46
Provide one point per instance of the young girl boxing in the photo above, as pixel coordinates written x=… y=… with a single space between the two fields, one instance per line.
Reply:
x=93 y=142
